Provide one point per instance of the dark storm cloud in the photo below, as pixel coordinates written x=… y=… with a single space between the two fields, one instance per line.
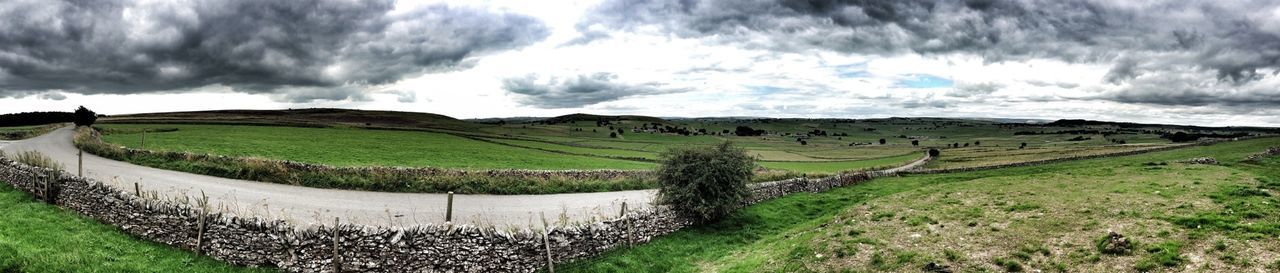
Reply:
x=578 y=91
x=283 y=47
x=1236 y=41
x=1174 y=89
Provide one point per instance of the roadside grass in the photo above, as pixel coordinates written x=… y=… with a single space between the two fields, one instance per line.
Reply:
x=36 y=238
x=1024 y=219
x=25 y=132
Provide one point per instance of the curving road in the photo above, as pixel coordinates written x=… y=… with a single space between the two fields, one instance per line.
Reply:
x=305 y=206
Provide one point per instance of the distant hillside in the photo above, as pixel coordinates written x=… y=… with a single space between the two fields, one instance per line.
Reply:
x=594 y=118
x=301 y=117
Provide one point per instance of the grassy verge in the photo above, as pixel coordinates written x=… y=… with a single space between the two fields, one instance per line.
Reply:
x=35 y=237
x=1017 y=219
x=25 y=132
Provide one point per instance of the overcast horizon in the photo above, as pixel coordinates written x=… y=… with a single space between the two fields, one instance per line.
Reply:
x=1210 y=63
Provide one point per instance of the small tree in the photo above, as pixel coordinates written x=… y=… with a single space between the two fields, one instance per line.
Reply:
x=705 y=183
x=85 y=117
x=882 y=141
x=934 y=153
x=978 y=143
x=915 y=142
x=613 y=135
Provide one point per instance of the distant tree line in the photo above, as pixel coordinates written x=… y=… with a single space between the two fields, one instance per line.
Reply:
x=35 y=118
x=748 y=131
x=1188 y=137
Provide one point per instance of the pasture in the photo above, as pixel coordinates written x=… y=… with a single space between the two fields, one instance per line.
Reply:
x=35 y=238
x=803 y=146
x=1044 y=218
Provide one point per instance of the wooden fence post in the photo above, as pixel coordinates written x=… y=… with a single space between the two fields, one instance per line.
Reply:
x=144 y=138
x=137 y=190
x=546 y=241
x=80 y=160
x=48 y=180
x=337 y=259
x=204 y=211
x=448 y=215
x=626 y=222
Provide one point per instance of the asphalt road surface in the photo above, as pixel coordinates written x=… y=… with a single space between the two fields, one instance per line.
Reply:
x=304 y=206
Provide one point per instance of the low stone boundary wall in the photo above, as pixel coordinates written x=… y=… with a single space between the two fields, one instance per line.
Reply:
x=350 y=248
x=1273 y=151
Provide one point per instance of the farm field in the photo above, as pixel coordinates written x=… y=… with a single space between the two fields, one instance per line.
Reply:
x=585 y=142
x=355 y=147
x=36 y=238
x=1045 y=218
x=987 y=156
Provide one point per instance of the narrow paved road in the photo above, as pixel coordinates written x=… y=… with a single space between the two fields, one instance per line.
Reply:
x=302 y=205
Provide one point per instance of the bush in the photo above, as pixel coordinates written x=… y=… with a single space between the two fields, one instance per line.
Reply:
x=934 y=152
x=704 y=183
x=85 y=117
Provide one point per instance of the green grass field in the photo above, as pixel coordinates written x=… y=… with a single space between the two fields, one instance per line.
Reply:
x=584 y=145
x=24 y=132
x=36 y=238
x=357 y=147
x=1029 y=219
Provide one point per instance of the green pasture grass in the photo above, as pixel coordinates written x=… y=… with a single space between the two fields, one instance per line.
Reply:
x=975 y=156
x=36 y=238
x=1043 y=217
x=830 y=167
x=579 y=150
x=357 y=147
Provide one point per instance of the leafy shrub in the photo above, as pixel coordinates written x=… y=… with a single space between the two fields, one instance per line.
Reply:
x=934 y=153
x=704 y=183
x=85 y=117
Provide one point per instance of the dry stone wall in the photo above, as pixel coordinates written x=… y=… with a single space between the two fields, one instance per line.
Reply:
x=348 y=248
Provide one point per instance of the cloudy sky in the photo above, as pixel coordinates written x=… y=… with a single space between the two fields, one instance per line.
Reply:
x=1186 y=62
